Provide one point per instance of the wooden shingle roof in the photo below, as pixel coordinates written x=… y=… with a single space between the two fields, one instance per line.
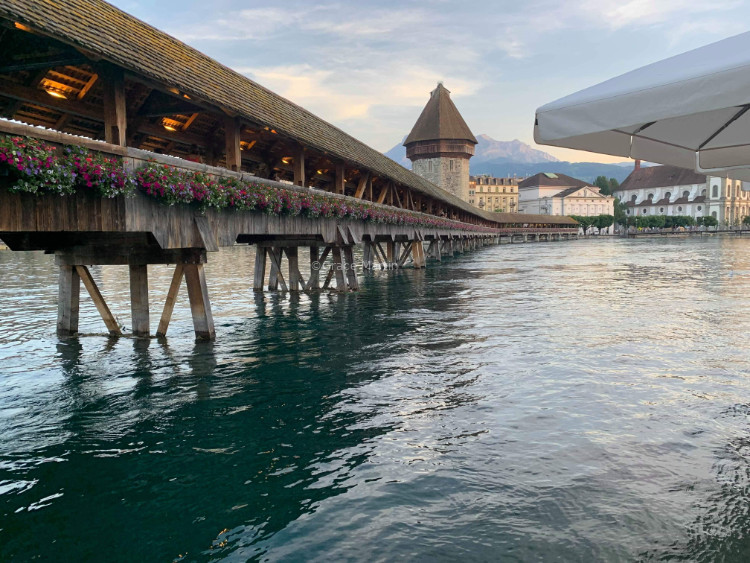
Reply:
x=439 y=120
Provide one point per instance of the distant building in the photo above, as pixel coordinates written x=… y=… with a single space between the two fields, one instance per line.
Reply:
x=669 y=190
x=557 y=194
x=493 y=194
x=441 y=144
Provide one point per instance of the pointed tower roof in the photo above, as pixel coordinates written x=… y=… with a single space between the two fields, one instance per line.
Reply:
x=440 y=120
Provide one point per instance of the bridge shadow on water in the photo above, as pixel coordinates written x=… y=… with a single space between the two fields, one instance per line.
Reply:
x=154 y=449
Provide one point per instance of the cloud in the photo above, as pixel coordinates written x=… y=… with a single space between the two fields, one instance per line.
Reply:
x=248 y=24
x=362 y=103
x=332 y=20
x=367 y=69
x=368 y=66
x=633 y=14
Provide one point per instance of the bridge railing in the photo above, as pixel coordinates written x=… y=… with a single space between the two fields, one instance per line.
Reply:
x=135 y=159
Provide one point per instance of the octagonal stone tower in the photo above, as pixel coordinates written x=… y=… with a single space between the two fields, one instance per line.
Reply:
x=441 y=144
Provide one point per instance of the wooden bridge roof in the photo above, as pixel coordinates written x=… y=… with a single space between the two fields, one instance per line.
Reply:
x=100 y=31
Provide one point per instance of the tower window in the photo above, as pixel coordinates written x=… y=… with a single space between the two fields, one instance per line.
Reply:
x=451 y=164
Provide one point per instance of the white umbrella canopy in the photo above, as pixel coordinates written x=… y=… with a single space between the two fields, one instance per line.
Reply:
x=690 y=110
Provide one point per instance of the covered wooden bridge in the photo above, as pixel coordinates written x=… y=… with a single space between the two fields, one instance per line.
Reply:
x=81 y=75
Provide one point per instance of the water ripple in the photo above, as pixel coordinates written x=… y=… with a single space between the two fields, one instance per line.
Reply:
x=581 y=401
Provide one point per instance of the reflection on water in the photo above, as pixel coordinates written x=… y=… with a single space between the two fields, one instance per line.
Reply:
x=583 y=400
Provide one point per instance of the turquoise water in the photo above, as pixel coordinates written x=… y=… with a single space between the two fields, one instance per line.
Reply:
x=583 y=400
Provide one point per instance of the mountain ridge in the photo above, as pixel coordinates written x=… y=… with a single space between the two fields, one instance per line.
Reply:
x=516 y=158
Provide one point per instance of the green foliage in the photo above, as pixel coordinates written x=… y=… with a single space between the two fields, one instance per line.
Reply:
x=709 y=221
x=651 y=221
x=606 y=187
x=621 y=218
x=598 y=221
x=583 y=222
x=745 y=220
x=603 y=221
x=676 y=221
x=603 y=184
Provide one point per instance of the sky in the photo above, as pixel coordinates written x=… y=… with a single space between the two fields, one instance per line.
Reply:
x=368 y=66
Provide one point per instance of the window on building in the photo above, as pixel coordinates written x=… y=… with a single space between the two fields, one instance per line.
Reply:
x=715 y=192
x=633 y=198
x=644 y=211
x=679 y=209
x=650 y=196
x=451 y=164
x=686 y=193
x=703 y=192
x=661 y=210
x=668 y=195
x=713 y=214
x=699 y=208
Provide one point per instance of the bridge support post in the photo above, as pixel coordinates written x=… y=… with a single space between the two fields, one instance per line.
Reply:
x=200 y=306
x=351 y=271
x=367 y=261
x=68 y=301
x=139 y=299
x=390 y=252
x=259 y=277
x=74 y=270
x=292 y=256
x=276 y=277
x=338 y=269
x=436 y=252
x=315 y=267
x=417 y=252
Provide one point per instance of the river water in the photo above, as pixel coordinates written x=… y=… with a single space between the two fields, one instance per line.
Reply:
x=572 y=401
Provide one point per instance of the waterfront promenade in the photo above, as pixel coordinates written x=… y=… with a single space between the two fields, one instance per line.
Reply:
x=689 y=232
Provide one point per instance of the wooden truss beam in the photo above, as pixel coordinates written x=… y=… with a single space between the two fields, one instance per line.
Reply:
x=96 y=296
x=34 y=64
